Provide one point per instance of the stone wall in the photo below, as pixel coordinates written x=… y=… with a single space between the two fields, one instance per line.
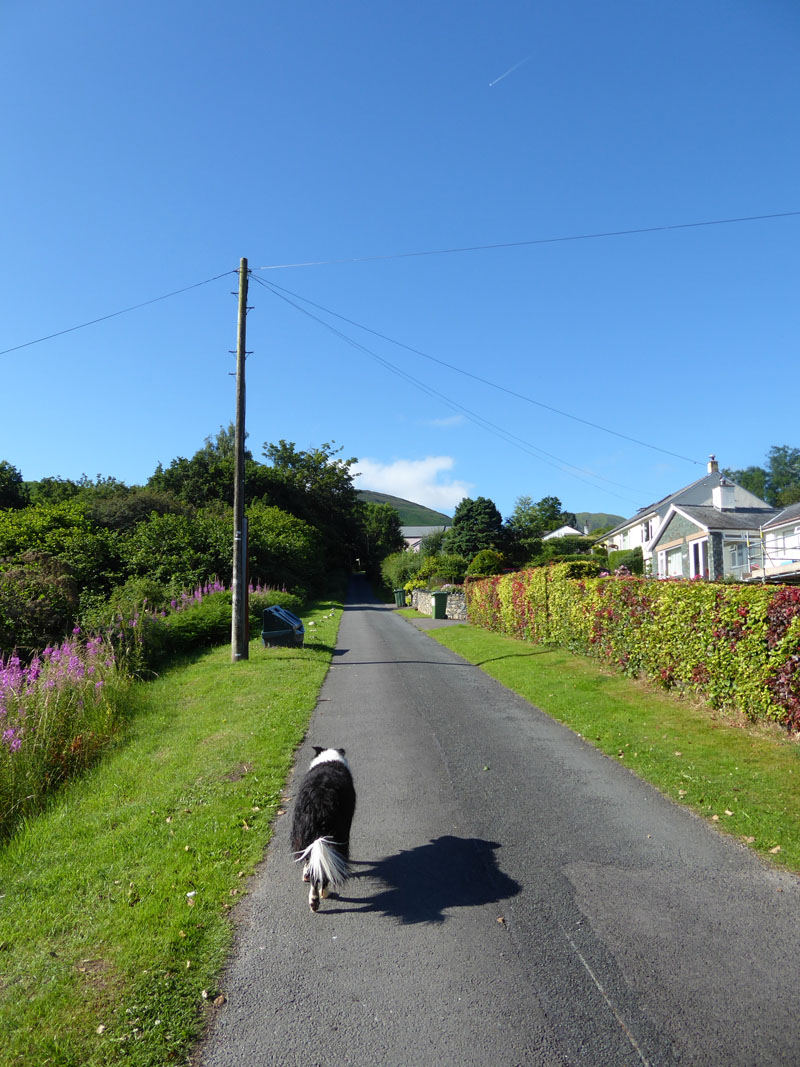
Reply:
x=456 y=604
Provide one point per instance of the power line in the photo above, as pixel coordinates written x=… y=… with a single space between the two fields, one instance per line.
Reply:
x=535 y=241
x=474 y=417
x=114 y=314
x=485 y=381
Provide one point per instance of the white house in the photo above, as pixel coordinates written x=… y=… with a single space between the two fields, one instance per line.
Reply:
x=701 y=530
x=566 y=531
x=775 y=557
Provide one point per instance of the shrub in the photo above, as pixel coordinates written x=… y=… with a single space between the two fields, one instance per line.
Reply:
x=449 y=567
x=486 y=562
x=627 y=557
x=399 y=567
x=266 y=598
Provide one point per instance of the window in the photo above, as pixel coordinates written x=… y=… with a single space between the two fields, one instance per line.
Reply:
x=675 y=563
x=737 y=554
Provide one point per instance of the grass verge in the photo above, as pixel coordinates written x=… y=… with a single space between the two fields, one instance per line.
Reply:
x=744 y=778
x=114 y=903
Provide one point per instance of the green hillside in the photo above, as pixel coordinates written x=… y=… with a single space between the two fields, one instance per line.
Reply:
x=411 y=514
x=597 y=520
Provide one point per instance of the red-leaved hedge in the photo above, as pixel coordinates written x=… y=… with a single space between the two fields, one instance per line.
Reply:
x=737 y=646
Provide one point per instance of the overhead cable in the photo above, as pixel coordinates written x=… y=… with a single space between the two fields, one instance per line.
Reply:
x=534 y=241
x=486 y=381
x=479 y=420
x=114 y=314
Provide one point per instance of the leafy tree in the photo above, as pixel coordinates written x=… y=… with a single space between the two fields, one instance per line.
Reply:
x=12 y=488
x=432 y=544
x=524 y=530
x=778 y=483
x=283 y=550
x=753 y=479
x=180 y=551
x=784 y=475
x=38 y=602
x=52 y=490
x=382 y=530
x=477 y=524
x=316 y=486
x=124 y=511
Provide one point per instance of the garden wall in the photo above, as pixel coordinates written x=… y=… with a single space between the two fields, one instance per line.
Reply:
x=736 y=646
x=456 y=604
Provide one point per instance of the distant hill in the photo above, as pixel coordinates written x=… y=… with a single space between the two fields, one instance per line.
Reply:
x=597 y=520
x=411 y=514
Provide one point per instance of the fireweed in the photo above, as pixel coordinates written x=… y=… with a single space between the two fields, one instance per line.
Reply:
x=61 y=708
x=56 y=713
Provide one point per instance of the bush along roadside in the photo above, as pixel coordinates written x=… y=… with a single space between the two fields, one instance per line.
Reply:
x=62 y=708
x=735 y=646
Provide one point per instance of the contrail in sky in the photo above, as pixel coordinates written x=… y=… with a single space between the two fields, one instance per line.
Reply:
x=509 y=71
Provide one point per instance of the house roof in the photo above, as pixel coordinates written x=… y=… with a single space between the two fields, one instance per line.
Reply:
x=792 y=513
x=710 y=518
x=713 y=519
x=701 y=488
x=421 y=531
x=563 y=531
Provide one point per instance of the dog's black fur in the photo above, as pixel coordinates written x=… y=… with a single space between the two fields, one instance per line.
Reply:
x=323 y=814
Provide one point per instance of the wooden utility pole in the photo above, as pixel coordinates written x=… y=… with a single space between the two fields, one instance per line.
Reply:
x=239 y=643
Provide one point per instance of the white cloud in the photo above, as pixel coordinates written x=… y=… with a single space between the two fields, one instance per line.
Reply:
x=413 y=479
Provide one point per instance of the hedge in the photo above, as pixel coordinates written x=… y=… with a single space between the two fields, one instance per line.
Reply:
x=735 y=646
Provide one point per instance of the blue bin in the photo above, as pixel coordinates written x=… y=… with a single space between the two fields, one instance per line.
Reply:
x=280 y=628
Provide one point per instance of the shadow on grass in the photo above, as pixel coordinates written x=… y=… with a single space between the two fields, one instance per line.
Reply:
x=516 y=655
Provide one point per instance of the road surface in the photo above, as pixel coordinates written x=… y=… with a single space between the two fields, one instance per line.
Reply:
x=520 y=898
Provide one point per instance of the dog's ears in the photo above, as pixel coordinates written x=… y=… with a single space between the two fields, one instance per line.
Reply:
x=318 y=750
x=340 y=751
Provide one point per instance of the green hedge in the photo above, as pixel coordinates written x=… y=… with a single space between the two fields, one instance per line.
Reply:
x=735 y=646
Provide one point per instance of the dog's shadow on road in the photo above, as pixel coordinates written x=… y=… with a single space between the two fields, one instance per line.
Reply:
x=421 y=884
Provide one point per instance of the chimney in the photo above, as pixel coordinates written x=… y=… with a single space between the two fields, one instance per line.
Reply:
x=723 y=496
x=713 y=466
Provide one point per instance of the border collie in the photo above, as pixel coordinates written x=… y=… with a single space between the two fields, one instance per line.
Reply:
x=323 y=813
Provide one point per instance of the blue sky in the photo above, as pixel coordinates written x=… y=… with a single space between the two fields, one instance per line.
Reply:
x=148 y=147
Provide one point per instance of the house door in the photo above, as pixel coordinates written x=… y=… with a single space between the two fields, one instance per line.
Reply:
x=699 y=559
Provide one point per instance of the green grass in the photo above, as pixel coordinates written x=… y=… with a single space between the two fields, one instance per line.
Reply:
x=115 y=902
x=745 y=779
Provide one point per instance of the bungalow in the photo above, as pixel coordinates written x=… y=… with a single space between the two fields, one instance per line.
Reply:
x=702 y=530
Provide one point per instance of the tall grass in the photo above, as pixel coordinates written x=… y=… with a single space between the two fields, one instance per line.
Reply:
x=56 y=713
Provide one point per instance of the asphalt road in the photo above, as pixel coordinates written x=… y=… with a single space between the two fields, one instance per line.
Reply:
x=520 y=898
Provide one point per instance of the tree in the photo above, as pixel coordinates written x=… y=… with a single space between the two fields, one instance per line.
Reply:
x=477 y=524
x=778 y=483
x=784 y=475
x=524 y=530
x=753 y=479
x=383 y=533
x=316 y=486
x=12 y=488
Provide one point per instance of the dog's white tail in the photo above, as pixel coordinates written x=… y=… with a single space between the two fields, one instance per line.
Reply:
x=323 y=863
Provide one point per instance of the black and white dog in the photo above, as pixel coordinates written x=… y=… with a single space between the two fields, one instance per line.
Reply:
x=323 y=813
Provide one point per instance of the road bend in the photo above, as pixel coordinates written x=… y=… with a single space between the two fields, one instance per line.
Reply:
x=519 y=897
